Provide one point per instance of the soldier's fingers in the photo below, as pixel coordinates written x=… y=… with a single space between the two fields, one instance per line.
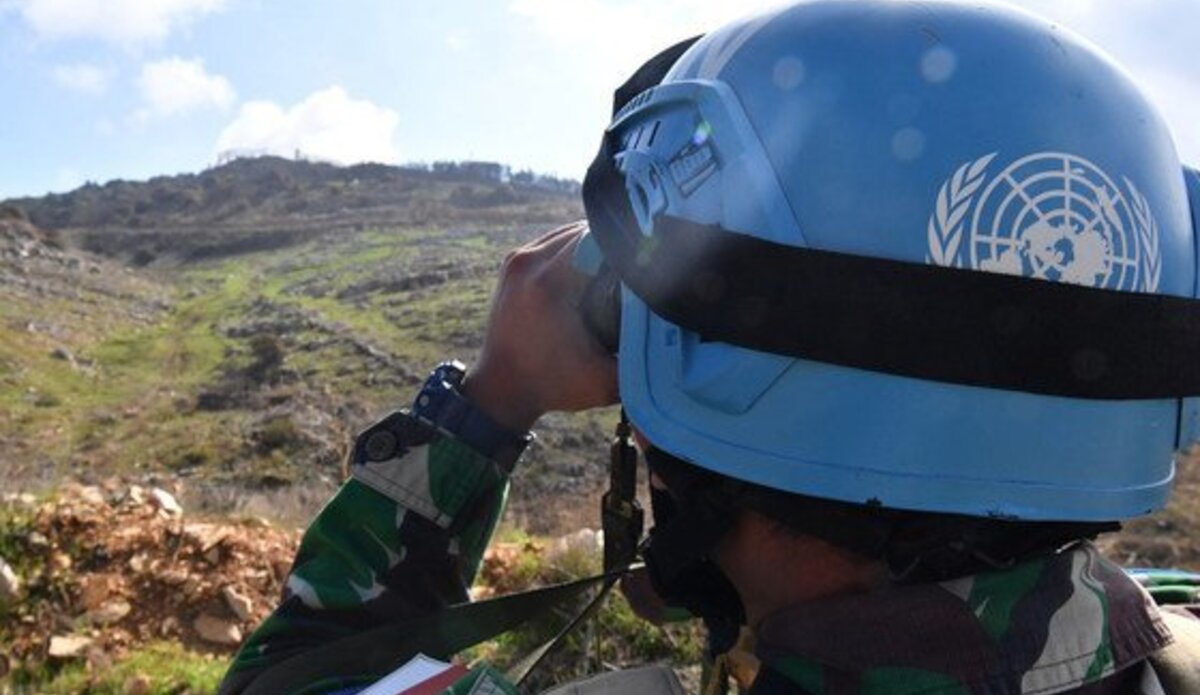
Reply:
x=551 y=241
x=561 y=273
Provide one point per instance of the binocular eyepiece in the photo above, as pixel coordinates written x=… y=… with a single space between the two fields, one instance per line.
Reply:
x=600 y=305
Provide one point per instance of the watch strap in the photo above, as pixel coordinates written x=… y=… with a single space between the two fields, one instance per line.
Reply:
x=442 y=404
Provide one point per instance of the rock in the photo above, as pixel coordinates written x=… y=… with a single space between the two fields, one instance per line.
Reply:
x=96 y=589
x=61 y=353
x=173 y=577
x=60 y=561
x=108 y=613
x=139 y=563
x=68 y=646
x=194 y=588
x=91 y=494
x=10 y=583
x=19 y=499
x=136 y=494
x=165 y=501
x=240 y=605
x=217 y=631
x=138 y=685
x=203 y=535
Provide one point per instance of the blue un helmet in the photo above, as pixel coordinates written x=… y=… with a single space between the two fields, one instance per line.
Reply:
x=924 y=256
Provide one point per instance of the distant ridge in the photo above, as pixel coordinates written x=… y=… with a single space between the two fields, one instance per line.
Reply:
x=272 y=185
x=262 y=202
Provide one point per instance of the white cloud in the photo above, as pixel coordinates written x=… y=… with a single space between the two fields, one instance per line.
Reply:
x=176 y=85
x=83 y=77
x=117 y=21
x=328 y=124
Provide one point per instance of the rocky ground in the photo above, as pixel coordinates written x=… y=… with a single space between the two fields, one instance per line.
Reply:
x=97 y=573
x=38 y=267
x=102 y=570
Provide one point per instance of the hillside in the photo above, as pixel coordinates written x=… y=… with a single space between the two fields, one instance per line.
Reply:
x=268 y=202
x=57 y=303
x=237 y=341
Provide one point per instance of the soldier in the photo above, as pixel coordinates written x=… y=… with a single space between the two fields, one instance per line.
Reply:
x=906 y=322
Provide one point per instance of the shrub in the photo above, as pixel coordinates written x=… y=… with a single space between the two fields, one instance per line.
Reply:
x=267 y=353
x=278 y=433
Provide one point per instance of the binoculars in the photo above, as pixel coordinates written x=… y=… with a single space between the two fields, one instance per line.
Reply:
x=600 y=305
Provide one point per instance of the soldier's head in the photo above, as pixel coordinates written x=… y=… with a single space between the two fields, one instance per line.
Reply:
x=915 y=278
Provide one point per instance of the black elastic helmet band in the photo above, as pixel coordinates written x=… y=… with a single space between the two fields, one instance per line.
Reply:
x=908 y=319
x=650 y=74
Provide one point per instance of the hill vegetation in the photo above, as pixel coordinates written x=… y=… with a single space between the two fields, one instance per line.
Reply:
x=234 y=328
x=266 y=203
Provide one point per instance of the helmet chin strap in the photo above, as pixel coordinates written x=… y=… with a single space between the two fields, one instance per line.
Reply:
x=620 y=513
x=689 y=520
x=691 y=517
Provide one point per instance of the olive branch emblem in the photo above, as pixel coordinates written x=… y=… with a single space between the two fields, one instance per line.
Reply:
x=950 y=213
x=1147 y=234
x=957 y=197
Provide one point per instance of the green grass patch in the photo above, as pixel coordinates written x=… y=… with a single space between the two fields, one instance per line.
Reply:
x=168 y=668
x=133 y=403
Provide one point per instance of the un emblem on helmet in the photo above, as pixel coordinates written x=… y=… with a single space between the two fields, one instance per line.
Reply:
x=1051 y=216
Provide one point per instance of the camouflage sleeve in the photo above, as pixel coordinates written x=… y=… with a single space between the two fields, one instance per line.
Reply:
x=1169 y=586
x=403 y=537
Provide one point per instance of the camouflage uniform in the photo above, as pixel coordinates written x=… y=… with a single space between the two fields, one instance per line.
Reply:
x=405 y=537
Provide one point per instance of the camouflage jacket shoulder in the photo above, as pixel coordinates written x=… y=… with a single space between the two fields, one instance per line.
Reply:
x=1067 y=623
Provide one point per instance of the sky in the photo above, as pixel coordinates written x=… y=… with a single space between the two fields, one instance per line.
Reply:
x=92 y=90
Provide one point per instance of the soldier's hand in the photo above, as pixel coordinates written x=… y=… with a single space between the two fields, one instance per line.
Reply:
x=537 y=355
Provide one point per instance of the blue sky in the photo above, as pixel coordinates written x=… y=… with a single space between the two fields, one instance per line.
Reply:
x=102 y=89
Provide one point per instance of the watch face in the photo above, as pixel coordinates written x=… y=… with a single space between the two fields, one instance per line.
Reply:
x=451 y=372
x=439 y=393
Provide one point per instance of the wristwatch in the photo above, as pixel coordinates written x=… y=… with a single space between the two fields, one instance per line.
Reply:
x=442 y=404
